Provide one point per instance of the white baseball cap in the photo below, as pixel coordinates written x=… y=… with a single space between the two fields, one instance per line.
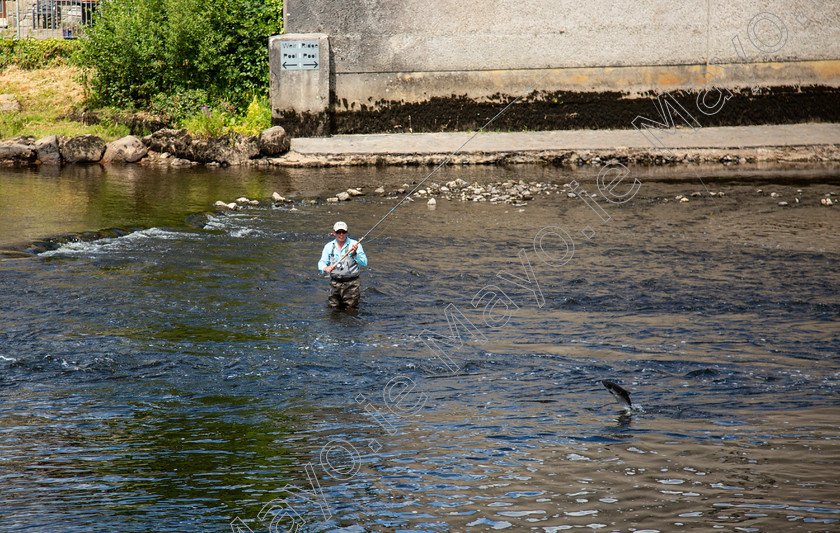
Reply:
x=339 y=225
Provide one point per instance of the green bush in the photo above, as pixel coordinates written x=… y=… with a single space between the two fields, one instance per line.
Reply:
x=144 y=52
x=257 y=118
x=207 y=123
x=178 y=104
x=31 y=54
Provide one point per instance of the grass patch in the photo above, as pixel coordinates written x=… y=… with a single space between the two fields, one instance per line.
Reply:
x=46 y=97
x=53 y=98
x=207 y=123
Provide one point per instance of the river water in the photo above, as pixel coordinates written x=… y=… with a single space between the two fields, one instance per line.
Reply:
x=184 y=380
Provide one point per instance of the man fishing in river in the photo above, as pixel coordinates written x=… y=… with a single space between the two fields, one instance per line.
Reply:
x=341 y=259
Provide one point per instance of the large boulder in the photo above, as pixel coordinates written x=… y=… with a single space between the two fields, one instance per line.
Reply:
x=274 y=141
x=230 y=149
x=129 y=149
x=49 y=152
x=9 y=104
x=84 y=149
x=175 y=142
x=15 y=152
x=244 y=149
x=205 y=151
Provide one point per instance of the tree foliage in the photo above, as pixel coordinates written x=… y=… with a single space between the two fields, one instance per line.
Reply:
x=140 y=52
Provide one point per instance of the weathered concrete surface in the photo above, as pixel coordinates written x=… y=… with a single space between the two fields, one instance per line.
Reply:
x=436 y=143
x=412 y=50
x=449 y=35
x=300 y=93
x=356 y=89
x=798 y=142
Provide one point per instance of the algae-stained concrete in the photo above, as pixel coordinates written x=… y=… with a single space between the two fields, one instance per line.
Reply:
x=300 y=96
x=728 y=145
x=386 y=53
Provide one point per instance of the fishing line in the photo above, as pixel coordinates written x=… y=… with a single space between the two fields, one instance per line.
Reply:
x=450 y=156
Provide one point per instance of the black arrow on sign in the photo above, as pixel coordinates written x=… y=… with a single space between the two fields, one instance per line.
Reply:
x=313 y=65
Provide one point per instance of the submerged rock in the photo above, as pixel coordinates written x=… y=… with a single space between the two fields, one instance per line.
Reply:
x=223 y=206
x=198 y=220
x=15 y=254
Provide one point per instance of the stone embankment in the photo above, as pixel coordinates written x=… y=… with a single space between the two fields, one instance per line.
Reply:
x=167 y=146
x=812 y=142
x=273 y=148
x=568 y=157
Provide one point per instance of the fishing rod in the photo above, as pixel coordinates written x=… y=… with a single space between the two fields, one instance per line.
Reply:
x=445 y=161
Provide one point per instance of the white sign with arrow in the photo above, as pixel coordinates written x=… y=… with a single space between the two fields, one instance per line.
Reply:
x=299 y=55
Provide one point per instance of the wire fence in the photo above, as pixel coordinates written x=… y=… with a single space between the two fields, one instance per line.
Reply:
x=45 y=19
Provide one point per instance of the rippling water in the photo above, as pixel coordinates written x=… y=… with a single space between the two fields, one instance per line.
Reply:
x=179 y=379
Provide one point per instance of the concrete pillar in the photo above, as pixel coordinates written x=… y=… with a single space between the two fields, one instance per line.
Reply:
x=299 y=64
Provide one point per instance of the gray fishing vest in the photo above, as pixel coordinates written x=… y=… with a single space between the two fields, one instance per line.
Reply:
x=345 y=270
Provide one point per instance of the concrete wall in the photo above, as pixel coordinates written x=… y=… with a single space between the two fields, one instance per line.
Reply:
x=394 y=44
x=416 y=50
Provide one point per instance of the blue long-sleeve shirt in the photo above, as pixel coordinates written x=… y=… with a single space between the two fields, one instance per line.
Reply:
x=332 y=252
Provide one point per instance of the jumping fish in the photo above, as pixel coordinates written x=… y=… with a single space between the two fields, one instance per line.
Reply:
x=621 y=395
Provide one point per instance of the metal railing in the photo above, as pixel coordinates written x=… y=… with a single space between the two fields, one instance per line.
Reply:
x=43 y=19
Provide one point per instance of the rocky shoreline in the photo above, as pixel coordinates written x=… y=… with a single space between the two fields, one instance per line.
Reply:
x=166 y=146
x=272 y=148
